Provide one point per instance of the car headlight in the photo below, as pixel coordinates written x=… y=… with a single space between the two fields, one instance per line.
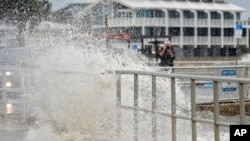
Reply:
x=9 y=108
x=8 y=84
x=8 y=73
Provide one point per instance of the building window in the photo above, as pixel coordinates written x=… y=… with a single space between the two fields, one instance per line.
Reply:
x=228 y=32
x=202 y=31
x=123 y=14
x=228 y=15
x=144 y=13
x=207 y=0
x=173 y=14
x=175 y=31
x=188 y=14
x=215 y=15
x=155 y=31
x=119 y=6
x=149 y=13
x=215 y=32
x=244 y=32
x=237 y=16
x=188 y=31
x=159 y=13
x=202 y=15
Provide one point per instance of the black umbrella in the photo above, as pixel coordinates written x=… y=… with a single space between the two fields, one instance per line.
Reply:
x=156 y=42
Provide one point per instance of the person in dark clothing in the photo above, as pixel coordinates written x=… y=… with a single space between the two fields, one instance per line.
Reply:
x=167 y=54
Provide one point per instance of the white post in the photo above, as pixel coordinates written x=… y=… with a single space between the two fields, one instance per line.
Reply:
x=193 y=110
x=154 y=109
x=136 y=110
x=173 y=108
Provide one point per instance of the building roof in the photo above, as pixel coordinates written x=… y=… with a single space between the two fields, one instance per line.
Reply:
x=137 y=4
x=80 y=1
x=186 y=5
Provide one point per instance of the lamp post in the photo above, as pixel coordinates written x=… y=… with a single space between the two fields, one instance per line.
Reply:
x=239 y=29
x=237 y=51
x=106 y=30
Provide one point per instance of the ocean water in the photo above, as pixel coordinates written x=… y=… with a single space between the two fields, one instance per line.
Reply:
x=73 y=97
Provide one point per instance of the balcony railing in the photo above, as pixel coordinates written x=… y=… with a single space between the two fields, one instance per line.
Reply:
x=118 y=22
x=229 y=40
x=243 y=40
x=188 y=40
x=174 y=22
x=188 y=22
x=202 y=40
x=229 y=23
x=215 y=22
x=215 y=40
x=202 y=22
x=176 y=40
x=246 y=23
x=151 y=21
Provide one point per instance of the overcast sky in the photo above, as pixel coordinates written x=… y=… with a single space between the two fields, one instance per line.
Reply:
x=57 y=4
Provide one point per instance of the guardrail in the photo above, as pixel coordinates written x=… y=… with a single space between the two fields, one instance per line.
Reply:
x=242 y=71
x=173 y=115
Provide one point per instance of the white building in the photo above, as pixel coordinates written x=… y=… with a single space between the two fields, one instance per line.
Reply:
x=201 y=27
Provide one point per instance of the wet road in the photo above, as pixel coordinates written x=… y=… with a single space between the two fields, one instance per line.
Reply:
x=12 y=135
x=12 y=130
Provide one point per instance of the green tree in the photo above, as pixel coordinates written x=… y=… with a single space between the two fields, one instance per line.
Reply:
x=22 y=12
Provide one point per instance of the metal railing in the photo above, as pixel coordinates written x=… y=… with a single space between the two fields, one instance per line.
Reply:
x=242 y=71
x=194 y=119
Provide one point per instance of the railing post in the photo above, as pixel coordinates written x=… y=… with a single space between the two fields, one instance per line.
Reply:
x=136 y=107
x=154 y=109
x=118 y=102
x=173 y=108
x=216 y=111
x=193 y=109
x=246 y=72
x=242 y=104
x=21 y=71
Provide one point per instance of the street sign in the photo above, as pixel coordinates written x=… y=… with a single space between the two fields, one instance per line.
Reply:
x=228 y=72
x=239 y=30
x=228 y=86
x=134 y=46
x=229 y=89
x=208 y=85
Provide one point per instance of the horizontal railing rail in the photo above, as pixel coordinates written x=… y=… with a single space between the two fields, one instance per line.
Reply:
x=173 y=114
x=241 y=70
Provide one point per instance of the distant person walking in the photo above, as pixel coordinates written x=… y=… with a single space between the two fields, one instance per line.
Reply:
x=167 y=54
